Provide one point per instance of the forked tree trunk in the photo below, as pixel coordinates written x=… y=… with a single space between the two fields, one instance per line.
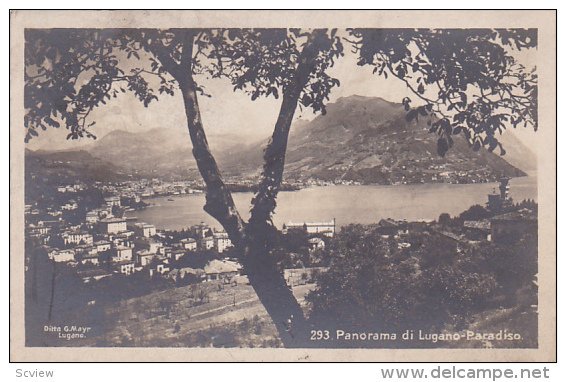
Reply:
x=252 y=239
x=264 y=201
x=263 y=273
x=219 y=202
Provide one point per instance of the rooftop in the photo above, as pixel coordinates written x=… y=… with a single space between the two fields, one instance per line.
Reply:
x=522 y=214
x=221 y=266
x=480 y=224
x=113 y=220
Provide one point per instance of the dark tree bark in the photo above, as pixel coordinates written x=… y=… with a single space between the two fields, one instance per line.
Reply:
x=219 y=202
x=274 y=156
x=266 y=278
x=252 y=239
x=277 y=298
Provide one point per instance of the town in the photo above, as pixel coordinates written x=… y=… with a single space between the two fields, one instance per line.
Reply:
x=80 y=231
x=98 y=241
x=102 y=241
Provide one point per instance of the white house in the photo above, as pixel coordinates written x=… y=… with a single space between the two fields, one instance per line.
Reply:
x=160 y=268
x=113 y=225
x=62 y=256
x=125 y=267
x=144 y=257
x=122 y=253
x=189 y=244
x=102 y=245
x=175 y=253
x=113 y=201
x=221 y=241
x=221 y=270
x=70 y=205
x=206 y=243
x=316 y=243
x=77 y=238
x=92 y=217
x=144 y=229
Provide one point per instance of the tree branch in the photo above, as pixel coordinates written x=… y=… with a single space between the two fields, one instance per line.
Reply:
x=274 y=156
x=219 y=202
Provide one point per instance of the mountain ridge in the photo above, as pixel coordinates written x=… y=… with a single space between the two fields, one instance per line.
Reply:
x=361 y=139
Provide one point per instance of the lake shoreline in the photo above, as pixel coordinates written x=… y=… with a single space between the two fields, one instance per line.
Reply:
x=362 y=204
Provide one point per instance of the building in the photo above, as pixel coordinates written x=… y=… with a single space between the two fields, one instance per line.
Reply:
x=160 y=268
x=189 y=244
x=77 y=238
x=325 y=228
x=144 y=257
x=112 y=201
x=125 y=267
x=113 y=225
x=62 y=256
x=511 y=226
x=70 y=205
x=221 y=270
x=90 y=258
x=124 y=239
x=202 y=230
x=221 y=241
x=103 y=245
x=122 y=253
x=477 y=229
x=150 y=244
x=390 y=227
x=175 y=254
x=206 y=243
x=144 y=229
x=499 y=201
x=316 y=243
x=92 y=217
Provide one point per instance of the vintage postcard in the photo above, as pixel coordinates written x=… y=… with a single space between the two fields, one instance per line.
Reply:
x=283 y=186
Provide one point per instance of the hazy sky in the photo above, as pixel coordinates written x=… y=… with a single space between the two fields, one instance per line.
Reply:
x=233 y=112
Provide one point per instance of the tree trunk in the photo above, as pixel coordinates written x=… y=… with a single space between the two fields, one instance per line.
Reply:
x=252 y=239
x=274 y=157
x=268 y=281
x=219 y=202
x=271 y=288
x=274 y=162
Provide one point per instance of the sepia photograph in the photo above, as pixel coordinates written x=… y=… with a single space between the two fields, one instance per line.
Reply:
x=233 y=180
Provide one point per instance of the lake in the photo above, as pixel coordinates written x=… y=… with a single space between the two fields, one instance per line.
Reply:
x=348 y=204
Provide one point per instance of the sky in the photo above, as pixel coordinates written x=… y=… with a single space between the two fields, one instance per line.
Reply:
x=232 y=112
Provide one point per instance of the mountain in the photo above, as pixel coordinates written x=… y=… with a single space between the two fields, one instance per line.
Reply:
x=517 y=153
x=368 y=140
x=362 y=139
x=67 y=166
x=161 y=152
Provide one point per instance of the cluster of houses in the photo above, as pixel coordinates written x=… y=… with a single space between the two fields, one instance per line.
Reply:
x=112 y=244
x=505 y=223
x=144 y=188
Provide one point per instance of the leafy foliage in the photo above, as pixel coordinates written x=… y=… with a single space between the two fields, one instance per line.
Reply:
x=264 y=62
x=69 y=72
x=465 y=80
x=374 y=285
